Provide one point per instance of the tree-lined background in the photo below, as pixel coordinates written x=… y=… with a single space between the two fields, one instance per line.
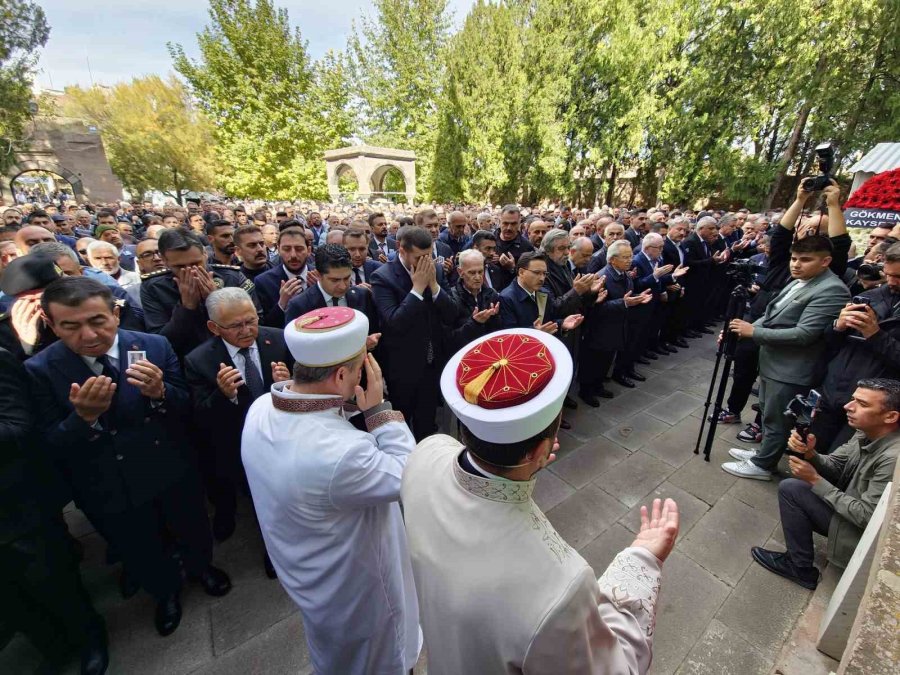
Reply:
x=591 y=101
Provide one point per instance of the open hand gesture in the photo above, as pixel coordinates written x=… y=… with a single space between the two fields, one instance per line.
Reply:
x=550 y=327
x=280 y=371
x=92 y=398
x=659 y=528
x=481 y=316
x=374 y=392
x=572 y=321
x=229 y=379
x=148 y=378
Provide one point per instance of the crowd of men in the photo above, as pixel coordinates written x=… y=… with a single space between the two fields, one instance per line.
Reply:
x=135 y=339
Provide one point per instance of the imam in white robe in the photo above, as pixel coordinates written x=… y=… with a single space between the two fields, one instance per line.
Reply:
x=501 y=592
x=326 y=498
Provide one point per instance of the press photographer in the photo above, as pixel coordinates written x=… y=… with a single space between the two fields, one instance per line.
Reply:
x=836 y=494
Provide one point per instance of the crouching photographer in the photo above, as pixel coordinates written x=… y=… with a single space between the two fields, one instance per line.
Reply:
x=836 y=494
x=865 y=343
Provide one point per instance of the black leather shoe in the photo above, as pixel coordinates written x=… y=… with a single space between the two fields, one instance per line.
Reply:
x=693 y=334
x=564 y=425
x=681 y=342
x=128 y=585
x=624 y=381
x=780 y=564
x=223 y=527
x=604 y=393
x=94 y=659
x=650 y=355
x=168 y=615
x=642 y=361
x=270 y=569
x=634 y=375
x=569 y=403
x=214 y=581
x=590 y=399
x=662 y=350
x=707 y=331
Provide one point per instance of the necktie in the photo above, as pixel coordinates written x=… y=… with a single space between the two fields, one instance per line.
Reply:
x=357 y=278
x=334 y=302
x=108 y=369
x=252 y=378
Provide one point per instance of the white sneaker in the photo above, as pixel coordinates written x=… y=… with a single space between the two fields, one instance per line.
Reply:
x=746 y=469
x=741 y=454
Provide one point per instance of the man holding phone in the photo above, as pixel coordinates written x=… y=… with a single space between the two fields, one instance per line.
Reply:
x=865 y=339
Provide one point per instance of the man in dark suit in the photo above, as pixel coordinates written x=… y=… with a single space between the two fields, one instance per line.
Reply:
x=226 y=374
x=455 y=234
x=355 y=241
x=510 y=245
x=479 y=305
x=276 y=287
x=672 y=254
x=635 y=231
x=40 y=590
x=113 y=406
x=701 y=256
x=654 y=275
x=414 y=313
x=381 y=244
x=526 y=303
x=485 y=242
x=612 y=232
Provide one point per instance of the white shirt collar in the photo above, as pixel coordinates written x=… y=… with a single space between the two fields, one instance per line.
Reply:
x=112 y=352
x=233 y=351
x=329 y=297
x=291 y=275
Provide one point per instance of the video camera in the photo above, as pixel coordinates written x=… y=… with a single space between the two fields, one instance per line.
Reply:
x=825 y=155
x=870 y=271
x=742 y=272
x=802 y=410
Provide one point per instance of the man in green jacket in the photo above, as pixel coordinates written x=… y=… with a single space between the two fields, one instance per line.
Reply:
x=836 y=494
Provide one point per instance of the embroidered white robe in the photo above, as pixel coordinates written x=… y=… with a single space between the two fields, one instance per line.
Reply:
x=326 y=498
x=501 y=592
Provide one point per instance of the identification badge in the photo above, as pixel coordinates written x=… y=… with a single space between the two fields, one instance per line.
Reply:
x=134 y=357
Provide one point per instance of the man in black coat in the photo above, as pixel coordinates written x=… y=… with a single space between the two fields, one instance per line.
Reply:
x=283 y=282
x=479 y=306
x=226 y=374
x=415 y=314
x=672 y=254
x=381 y=244
x=355 y=241
x=701 y=254
x=485 y=242
x=113 y=406
x=172 y=299
x=510 y=245
x=40 y=589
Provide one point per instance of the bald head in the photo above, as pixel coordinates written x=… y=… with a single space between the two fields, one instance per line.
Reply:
x=31 y=235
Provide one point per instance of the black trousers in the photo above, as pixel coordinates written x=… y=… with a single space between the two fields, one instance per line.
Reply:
x=137 y=535
x=746 y=368
x=802 y=513
x=418 y=401
x=42 y=596
x=593 y=364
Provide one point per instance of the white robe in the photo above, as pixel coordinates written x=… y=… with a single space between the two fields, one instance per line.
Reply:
x=501 y=592
x=326 y=498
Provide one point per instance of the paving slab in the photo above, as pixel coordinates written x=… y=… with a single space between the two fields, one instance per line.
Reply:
x=720 y=542
x=674 y=407
x=588 y=422
x=634 y=432
x=763 y=608
x=632 y=480
x=722 y=651
x=683 y=614
x=667 y=382
x=581 y=466
x=280 y=649
x=676 y=445
x=690 y=508
x=626 y=402
x=600 y=552
x=703 y=479
x=583 y=516
x=550 y=490
x=759 y=494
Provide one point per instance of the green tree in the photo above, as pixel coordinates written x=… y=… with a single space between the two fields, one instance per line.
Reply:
x=256 y=84
x=23 y=30
x=153 y=137
x=397 y=64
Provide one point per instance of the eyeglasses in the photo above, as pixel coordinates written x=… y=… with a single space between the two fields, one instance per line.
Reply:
x=146 y=255
x=249 y=323
x=540 y=273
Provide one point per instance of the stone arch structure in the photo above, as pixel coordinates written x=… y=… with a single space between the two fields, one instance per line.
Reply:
x=370 y=164
x=71 y=150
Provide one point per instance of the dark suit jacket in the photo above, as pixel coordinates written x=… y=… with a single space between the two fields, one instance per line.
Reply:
x=138 y=451
x=597 y=241
x=645 y=278
x=698 y=259
x=373 y=246
x=632 y=237
x=369 y=267
x=670 y=253
x=268 y=287
x=558 y=284
x=455 y=245
x=606 y=325
x=597 y=262
x=218 y=421
x=518 y=310
x=409 y=324
x=357 y=298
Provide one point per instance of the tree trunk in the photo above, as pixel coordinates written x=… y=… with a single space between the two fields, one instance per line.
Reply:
x=611 y=190
x=789 y=152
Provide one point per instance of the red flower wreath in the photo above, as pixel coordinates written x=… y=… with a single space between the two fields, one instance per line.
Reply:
x=880 y=192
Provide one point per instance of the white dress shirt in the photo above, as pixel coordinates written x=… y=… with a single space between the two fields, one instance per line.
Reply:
x=113 y=356
x=241 y=363
x=342 y=302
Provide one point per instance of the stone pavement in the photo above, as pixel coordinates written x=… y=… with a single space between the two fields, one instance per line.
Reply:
x=719 y=613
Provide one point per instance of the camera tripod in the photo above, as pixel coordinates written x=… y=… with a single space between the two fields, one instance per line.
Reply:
x=737 y=301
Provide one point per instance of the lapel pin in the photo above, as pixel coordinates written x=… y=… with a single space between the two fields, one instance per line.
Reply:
x=268 y=342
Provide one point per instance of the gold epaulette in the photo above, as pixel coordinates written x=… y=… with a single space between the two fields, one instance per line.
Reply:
x=157 y=273
x=220 y=266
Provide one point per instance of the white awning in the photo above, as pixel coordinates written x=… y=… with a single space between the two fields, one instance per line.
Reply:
x=883 y=157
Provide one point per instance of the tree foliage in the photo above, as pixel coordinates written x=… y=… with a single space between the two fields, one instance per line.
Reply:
x=23 y=30
x=273 y=111
x=397 y=61
x=154 y=138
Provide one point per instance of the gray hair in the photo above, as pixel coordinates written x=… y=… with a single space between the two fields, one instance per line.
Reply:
x=483 y=217
x=96 y=246
x=552 y=237
x=469 y=254
x=222 y=297
x=609 y=225
x=55 y=250
x=706 y=220
x=614 y=248
x=652 y=238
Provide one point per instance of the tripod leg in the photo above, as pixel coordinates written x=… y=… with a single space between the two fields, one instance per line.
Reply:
x=717 y=408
